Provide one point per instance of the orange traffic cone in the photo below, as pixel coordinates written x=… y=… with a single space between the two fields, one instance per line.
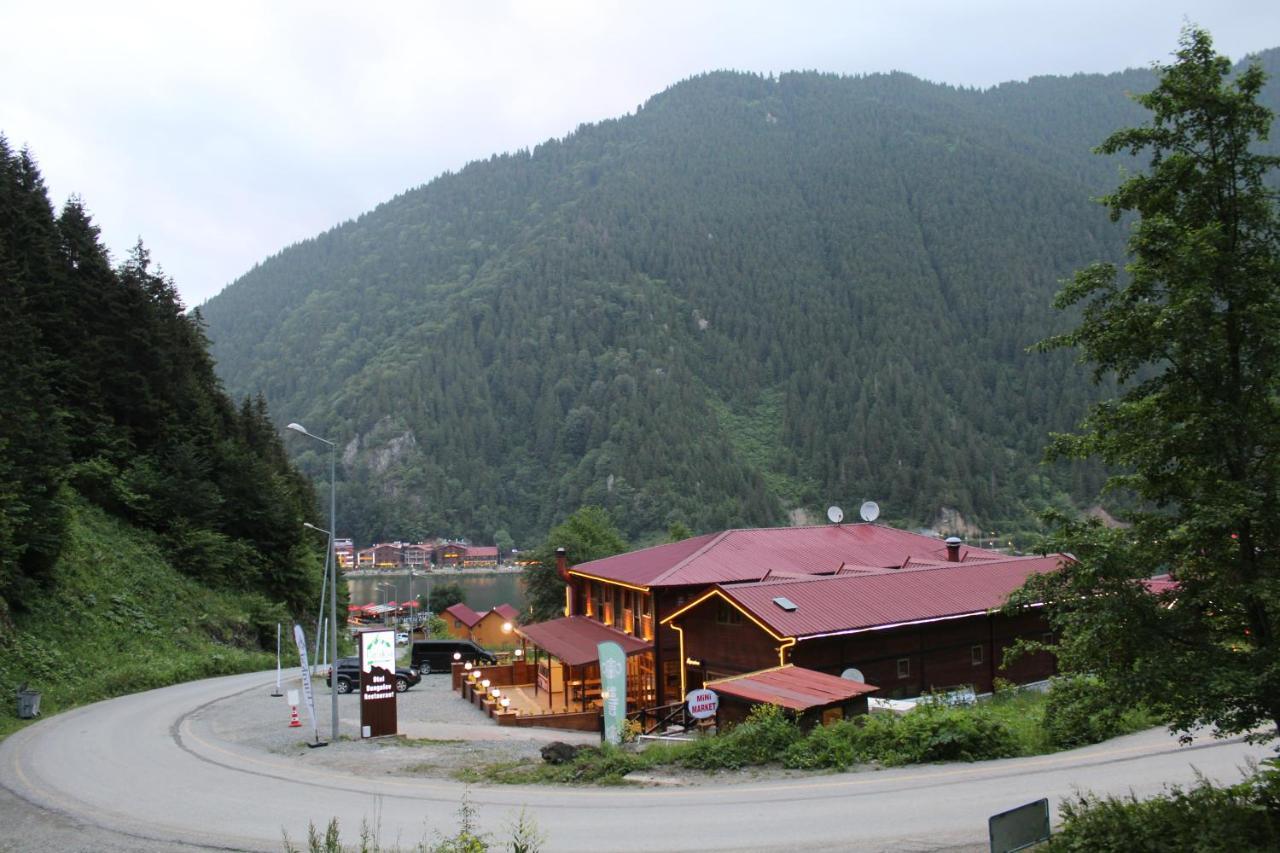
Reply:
x=294 y=722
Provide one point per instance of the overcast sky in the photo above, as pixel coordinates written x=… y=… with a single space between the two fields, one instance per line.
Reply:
x=222 y=135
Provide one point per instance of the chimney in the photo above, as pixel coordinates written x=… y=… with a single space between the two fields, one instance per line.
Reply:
x=953 y=549
x=562 y=569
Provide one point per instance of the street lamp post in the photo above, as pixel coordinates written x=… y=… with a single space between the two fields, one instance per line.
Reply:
x=388 y=589
x=330 y=573
x=324 y=589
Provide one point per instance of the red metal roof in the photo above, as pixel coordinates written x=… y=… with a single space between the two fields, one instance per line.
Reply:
x=792 y=687
x=852 y=602
x=463 y=614
x=574 y=639
x=482 y=551
x=507 y=612
x=751 y=554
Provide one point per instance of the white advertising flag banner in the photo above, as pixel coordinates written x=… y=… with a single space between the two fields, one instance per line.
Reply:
x=301 y=640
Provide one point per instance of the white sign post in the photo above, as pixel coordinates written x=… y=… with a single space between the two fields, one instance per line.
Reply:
x=278 y=628
x=301 y=640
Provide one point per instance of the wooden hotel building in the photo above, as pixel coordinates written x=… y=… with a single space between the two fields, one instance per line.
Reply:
x=908 y=612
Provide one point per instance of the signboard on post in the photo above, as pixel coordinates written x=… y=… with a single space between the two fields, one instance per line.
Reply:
x=613 y=690
x=702 y=703
x=1019 y=828
x=301 y=639
x=377 y=683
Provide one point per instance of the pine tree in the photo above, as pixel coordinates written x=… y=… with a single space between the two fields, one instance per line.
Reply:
x=1190 y=331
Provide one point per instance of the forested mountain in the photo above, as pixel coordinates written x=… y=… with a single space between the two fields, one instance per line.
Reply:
x=754 y=295
x=109 y=398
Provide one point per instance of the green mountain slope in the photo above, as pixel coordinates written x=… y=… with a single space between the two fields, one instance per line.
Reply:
x=108 y=394
x=753 y=296
x=115 y=617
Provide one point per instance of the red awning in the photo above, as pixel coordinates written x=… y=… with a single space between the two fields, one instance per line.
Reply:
x=411 y=604
x=352 y=608
x=574 y=639
x=792 y=687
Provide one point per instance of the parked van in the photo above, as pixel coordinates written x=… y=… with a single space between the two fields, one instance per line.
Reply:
x=438 y=655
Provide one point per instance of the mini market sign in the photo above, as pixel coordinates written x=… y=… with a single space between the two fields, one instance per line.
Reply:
x=702 y=703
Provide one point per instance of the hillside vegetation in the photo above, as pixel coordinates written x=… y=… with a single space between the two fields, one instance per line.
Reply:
x=754 y=295
x=115 y=617
x=150 y=529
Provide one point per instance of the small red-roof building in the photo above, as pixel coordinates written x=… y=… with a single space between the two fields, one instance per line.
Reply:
x=388 y=555
x=480 y=557
x=811 y=697
x=494 y=627
x=450 y=554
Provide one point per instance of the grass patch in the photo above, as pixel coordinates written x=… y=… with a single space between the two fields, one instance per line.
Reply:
x=1012 y=723
x=119 y=619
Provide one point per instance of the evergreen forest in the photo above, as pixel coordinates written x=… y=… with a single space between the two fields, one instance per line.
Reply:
x=113 y=418
x=751 y=298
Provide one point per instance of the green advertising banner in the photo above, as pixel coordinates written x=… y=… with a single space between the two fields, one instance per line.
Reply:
x=613 y=690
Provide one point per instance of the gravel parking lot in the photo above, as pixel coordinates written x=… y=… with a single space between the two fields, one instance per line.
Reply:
x=440 y=733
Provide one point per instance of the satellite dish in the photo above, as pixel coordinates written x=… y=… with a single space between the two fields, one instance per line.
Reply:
x=853 y=674
x=836 y=514
x=870 y=511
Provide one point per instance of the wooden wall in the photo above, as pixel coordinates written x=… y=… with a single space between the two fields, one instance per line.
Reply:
x=902 y=662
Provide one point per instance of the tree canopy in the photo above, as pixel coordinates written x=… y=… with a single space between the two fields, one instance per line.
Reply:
x=587 y=534
x=107 y=388
x=1190 y=331
x=754 y=297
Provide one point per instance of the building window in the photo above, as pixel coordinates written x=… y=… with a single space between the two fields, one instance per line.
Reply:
x=628 y=621
x=728 y=615
x=904 y=667
x=608 y=613
x=975 y=655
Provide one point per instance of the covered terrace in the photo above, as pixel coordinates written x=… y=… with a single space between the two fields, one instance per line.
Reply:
x=565 y=657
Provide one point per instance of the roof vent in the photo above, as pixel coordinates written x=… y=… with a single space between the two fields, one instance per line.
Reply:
x=785 y=603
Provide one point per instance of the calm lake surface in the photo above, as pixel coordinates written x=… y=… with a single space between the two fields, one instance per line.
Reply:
x=482 y=590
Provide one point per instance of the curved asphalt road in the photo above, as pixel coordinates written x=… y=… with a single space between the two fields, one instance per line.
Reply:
x=149 y=771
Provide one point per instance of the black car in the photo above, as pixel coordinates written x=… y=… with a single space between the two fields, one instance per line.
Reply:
x=349 y=676
x=430 y=656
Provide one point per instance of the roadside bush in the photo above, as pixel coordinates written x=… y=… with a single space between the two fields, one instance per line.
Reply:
x=826 y=747
x=931 y=732
x=606 y=764
x=934 y=732
x=1078 y=712
x=762 y=738
x=1205 y=818
x=940 y=733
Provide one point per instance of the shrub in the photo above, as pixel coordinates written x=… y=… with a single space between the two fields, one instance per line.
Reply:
x=938 y=733
x=826 y=747
x=1204 y=818
x=1079 y=712
x=606 y=764
x=931 y=732
x=762 y=738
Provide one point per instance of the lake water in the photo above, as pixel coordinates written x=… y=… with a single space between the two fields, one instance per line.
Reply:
x=482 y=590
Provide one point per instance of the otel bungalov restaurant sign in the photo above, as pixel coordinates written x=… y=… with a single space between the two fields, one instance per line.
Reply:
x=377 y=683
